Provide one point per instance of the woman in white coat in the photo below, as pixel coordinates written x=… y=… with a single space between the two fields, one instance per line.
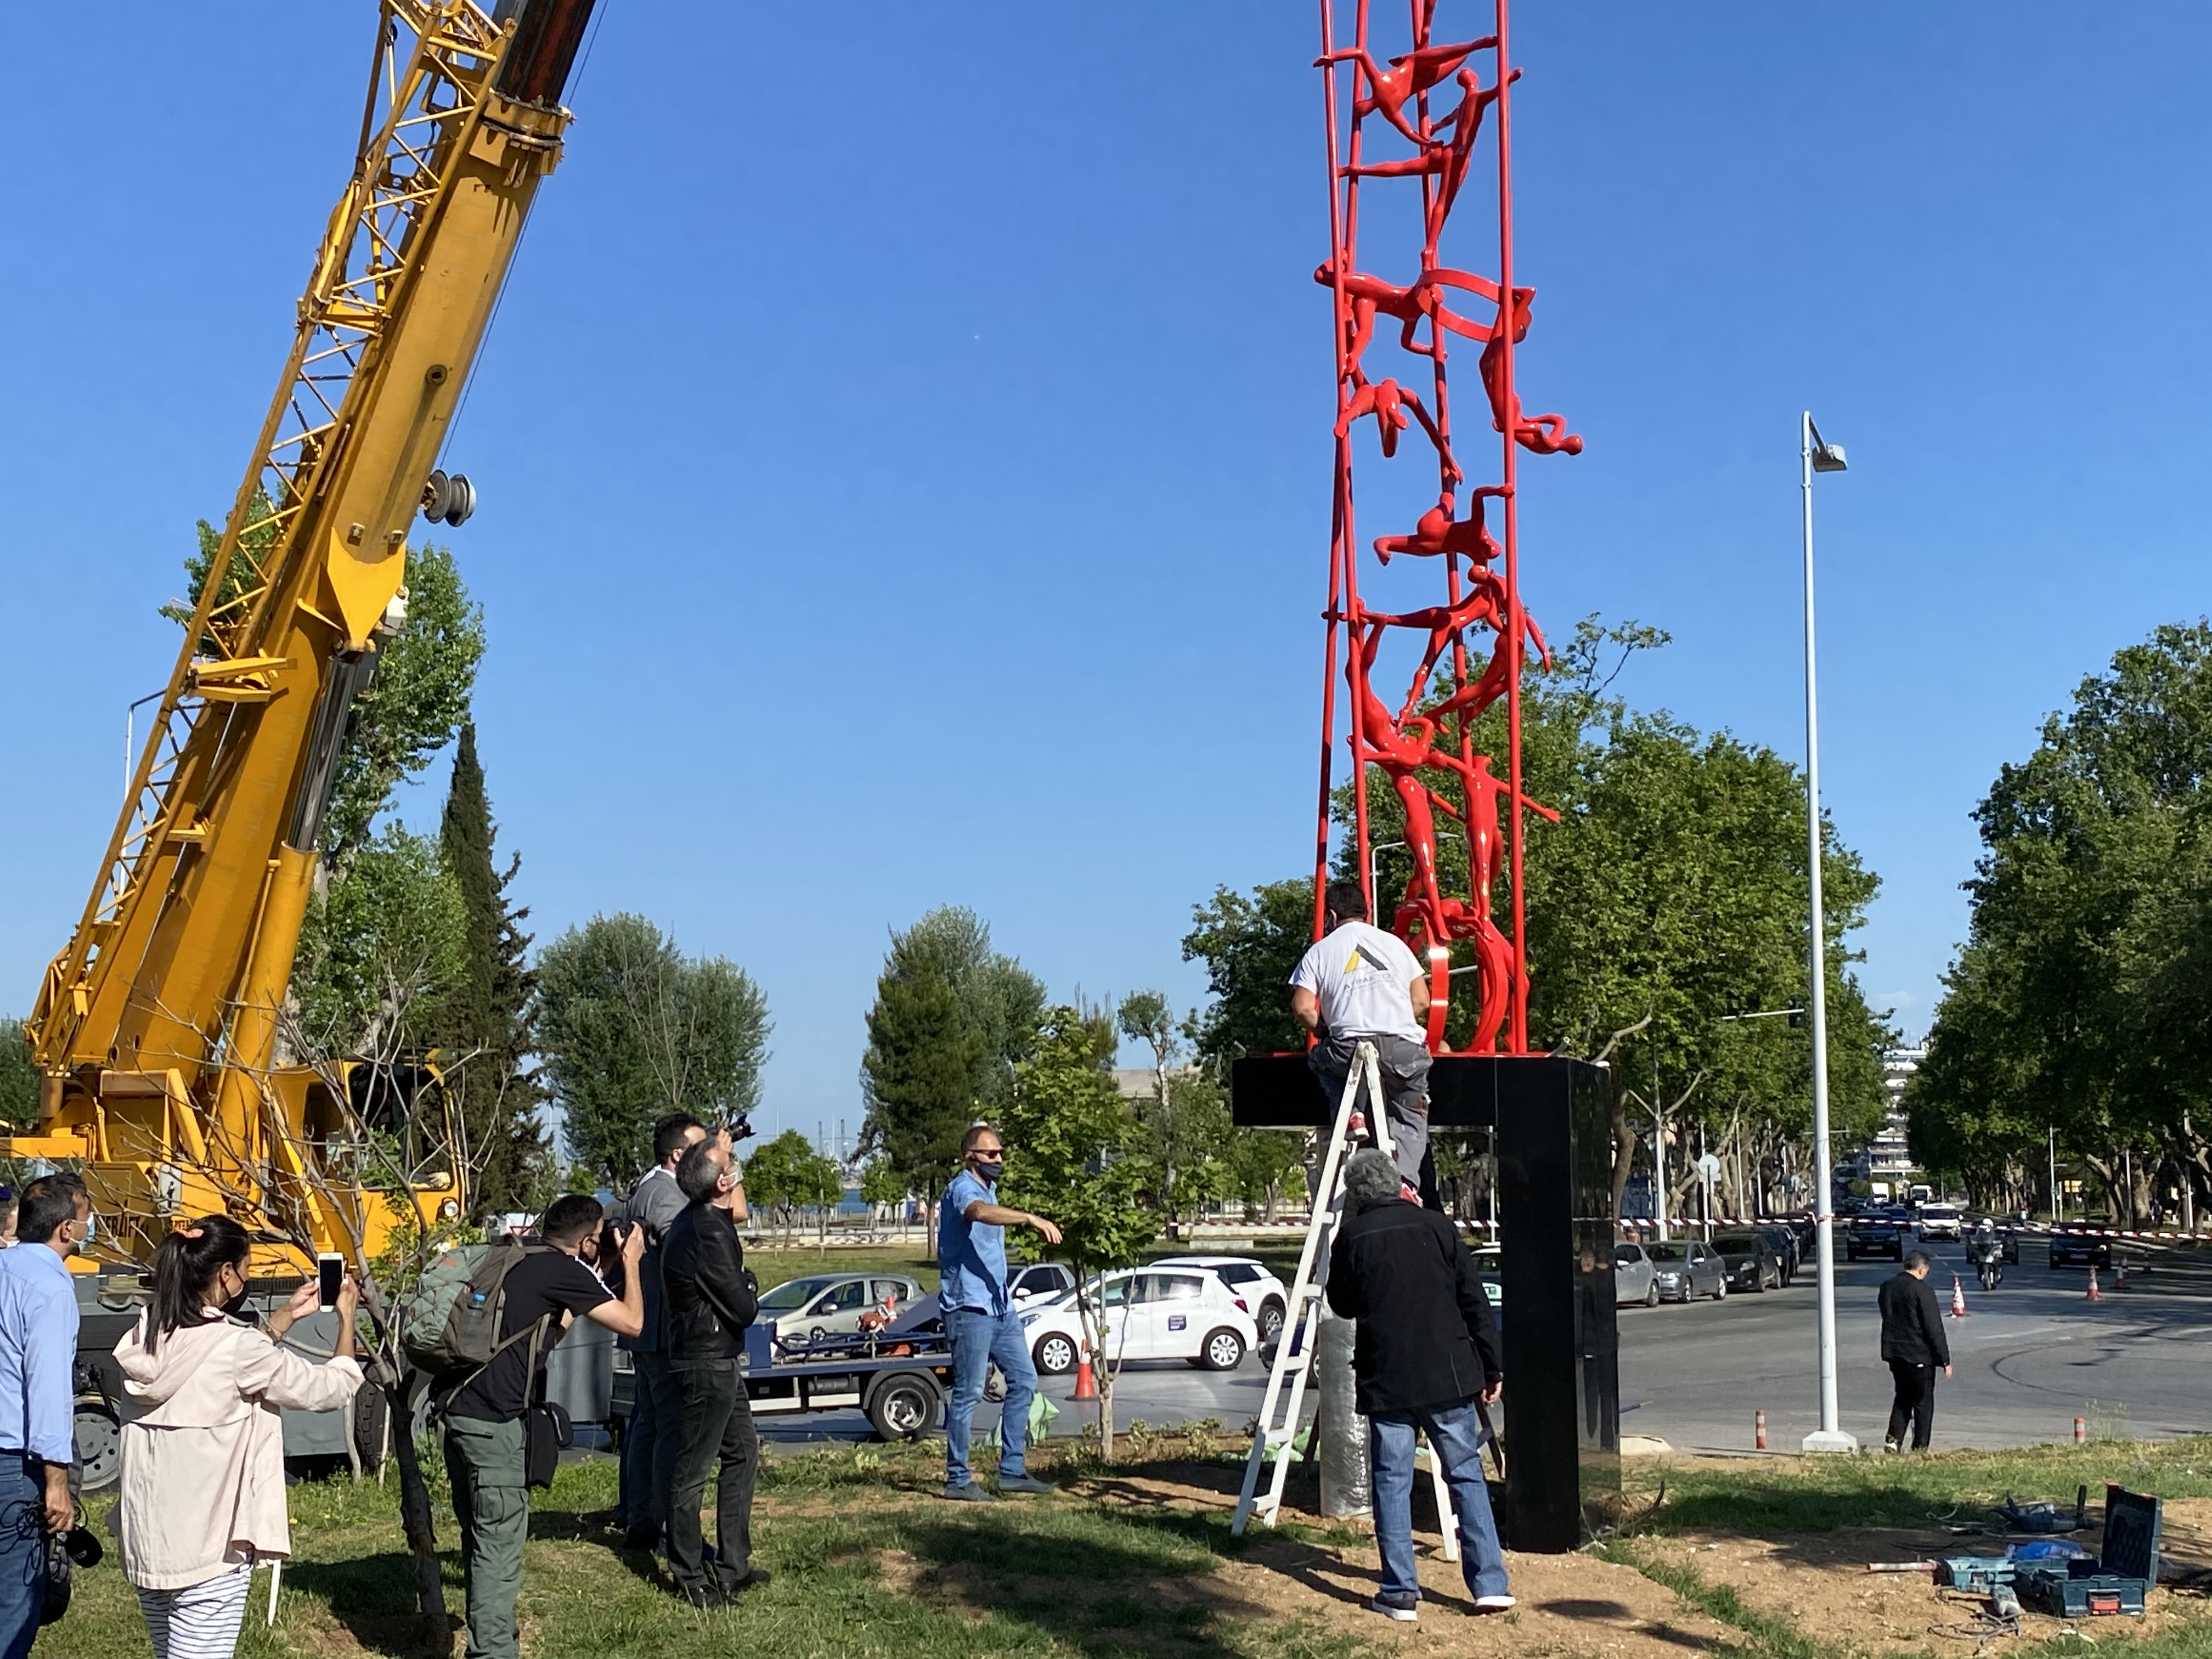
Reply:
x=203 y=1464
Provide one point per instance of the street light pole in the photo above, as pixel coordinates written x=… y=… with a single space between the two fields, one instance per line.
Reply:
x=1817 y=456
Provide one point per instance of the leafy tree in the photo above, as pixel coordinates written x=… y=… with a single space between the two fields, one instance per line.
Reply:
x=19 y=1075
x=1076 y=1160
x=1266 y=1167
x=418 y=698
x=1186 y=1121
x=382 y=950
x=631 y=1030
x=488 y=1014
x=2079 y=1002
x=1249 y=945
x=952 y=1020
x=786 y=1173
x=882 y=1184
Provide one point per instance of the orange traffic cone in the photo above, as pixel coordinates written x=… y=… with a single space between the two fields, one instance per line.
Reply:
x=1086 y=1386
x=2120 y=1272
x=1958 y=1298
x=2095 y=1295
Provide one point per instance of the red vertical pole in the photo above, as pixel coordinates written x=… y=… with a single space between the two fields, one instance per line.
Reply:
x=1338 y=546
x=1517 y=1020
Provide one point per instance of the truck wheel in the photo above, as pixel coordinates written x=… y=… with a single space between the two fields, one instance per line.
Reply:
x=371 y=1410
x=1222 y=1351
x=905 y=1405
x=1054 y=1354
x=99 y=1444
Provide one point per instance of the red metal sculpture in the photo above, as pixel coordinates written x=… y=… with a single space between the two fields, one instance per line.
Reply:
x=1427 y=753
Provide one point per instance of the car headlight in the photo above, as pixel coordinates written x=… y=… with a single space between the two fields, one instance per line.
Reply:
x=1030 y=1318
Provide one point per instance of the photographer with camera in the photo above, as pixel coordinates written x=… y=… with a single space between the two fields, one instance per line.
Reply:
x=711 y=1298
x=648 y=1450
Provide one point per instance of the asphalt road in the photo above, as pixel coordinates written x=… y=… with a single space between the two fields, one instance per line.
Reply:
x=2029 y=1357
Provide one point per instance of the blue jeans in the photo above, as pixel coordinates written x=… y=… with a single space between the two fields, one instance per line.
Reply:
x=22 y=1552
x=648 y=1455
x=978 y=1339
x=1456 y=1437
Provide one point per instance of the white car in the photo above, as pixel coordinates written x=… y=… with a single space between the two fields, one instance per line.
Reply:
x=1041 y=1282
x=831 y=1304
x=1146 y=1313
x=1939 y=1221
x=1264 y=1295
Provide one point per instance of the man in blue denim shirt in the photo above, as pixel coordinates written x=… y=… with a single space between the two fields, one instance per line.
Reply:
x=979 y=1318
x=37 y=1435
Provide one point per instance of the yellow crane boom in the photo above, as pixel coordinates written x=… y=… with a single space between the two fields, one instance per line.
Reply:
x=156 y=1026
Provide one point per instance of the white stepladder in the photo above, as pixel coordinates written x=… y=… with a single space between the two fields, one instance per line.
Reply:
x=1277 y=1426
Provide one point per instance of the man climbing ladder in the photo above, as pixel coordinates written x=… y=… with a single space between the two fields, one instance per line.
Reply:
x=1359 y=984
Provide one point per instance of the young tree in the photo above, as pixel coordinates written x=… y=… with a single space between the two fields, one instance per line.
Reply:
x=490 y=1011
x=631 y=1030
x=380 y=950
x=1186 y=1121
x=883 y=1187
x=952 y=1019
x=1077 y=1162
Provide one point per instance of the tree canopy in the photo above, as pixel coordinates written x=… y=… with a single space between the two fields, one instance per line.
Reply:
x=631 y=1030
x=2082 y=1002
x=952 y=1019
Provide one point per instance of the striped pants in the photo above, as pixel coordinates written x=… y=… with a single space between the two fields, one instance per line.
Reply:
x=200 y=1621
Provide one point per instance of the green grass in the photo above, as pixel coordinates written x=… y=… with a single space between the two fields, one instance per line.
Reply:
x=870 y=1564
x=1820 y=1494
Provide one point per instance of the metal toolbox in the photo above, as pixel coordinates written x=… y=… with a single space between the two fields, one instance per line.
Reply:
x=2117 y=1580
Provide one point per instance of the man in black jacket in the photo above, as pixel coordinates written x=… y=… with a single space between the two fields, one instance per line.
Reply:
x=711 y=1297
x=1913 y=1343
x=1426 y=1350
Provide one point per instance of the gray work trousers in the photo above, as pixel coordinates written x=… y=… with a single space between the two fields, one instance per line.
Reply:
x=1404 y=1067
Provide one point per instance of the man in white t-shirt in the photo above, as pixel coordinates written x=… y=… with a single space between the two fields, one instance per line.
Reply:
x=1356 y=983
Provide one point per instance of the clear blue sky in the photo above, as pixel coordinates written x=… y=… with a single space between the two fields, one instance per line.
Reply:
x=904 y=448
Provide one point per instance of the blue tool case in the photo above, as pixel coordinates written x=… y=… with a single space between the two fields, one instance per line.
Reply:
x=2120 y=1577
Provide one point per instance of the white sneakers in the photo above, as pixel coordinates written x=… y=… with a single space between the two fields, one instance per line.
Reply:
x=1493 y=1603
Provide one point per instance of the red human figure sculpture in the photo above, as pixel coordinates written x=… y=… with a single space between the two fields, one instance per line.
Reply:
x=1408 y=76
x=1419 y=749
x=1436 y=532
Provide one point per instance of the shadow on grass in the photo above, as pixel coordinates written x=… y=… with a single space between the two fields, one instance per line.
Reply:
x=373 y=1596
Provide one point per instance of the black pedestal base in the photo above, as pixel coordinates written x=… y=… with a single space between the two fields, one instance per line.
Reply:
x=1551 y=1122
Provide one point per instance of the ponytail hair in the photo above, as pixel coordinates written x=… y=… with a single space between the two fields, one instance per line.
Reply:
x=185 y=1266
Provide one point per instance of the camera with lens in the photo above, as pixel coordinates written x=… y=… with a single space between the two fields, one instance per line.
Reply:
x=739 y=1127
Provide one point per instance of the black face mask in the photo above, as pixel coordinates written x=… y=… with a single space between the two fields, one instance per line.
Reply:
x=988 y=1170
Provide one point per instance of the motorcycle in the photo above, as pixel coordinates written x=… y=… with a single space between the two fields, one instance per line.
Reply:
x=1988 y=1261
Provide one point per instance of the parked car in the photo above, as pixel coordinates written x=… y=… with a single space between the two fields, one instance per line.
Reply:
x=1041 y=1282
x=1787 y=1246
x=1490 y=1268
x=1265 y=1295
x=2079 y=1249
x=1938 y=1221
x=1146 y=1313
x=1753 y=1262
x=1874 y=1233
x=829 y=1304
x=1635 y=1278
x=1686 y=1267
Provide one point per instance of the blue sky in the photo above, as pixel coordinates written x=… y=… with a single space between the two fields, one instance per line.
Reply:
x=904 y=448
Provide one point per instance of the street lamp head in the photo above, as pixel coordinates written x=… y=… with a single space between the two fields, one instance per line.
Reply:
x=1827 y=457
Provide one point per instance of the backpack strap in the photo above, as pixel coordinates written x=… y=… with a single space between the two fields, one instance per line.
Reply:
x=533 y=1332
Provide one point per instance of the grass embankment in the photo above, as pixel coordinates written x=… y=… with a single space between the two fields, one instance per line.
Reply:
x=1137 y=1560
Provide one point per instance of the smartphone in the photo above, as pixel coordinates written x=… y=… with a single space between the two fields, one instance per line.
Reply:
x=330 y=1268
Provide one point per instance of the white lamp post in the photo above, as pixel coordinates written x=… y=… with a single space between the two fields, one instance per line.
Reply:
x=1818 y=456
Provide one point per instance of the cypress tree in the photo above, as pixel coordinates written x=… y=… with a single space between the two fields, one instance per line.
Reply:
x=487 y=1015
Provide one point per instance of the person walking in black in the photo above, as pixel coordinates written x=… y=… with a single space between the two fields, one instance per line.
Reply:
x=1913 y=1343
x=711 y=1298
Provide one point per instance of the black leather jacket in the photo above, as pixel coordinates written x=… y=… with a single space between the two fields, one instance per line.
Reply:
x=710 y=1294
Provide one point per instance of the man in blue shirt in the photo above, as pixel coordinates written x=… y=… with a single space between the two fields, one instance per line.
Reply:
x=979 y=1317
x=38 y=1438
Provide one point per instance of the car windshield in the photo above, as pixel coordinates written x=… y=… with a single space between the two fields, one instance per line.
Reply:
x=1668 y=1252
x=1938 y=1213
x=793 y=1293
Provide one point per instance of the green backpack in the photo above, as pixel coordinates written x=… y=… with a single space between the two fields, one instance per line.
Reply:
x=452 y=1323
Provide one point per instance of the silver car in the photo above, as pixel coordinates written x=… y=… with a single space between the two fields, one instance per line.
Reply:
x=1682 y=1268
x=1635 y=1277
x=829 y=1304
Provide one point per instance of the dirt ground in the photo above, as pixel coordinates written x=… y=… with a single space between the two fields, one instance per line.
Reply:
x=1569 y=1604
x=1819 y=1582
